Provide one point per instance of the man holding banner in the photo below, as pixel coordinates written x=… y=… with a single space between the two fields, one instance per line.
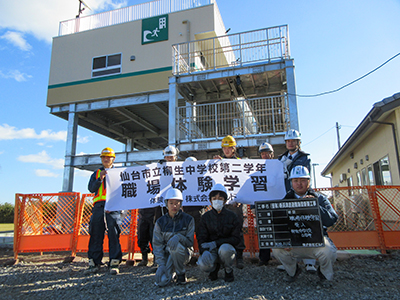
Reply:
x=102 y=220
x=228 y=145
x=148 y=216
x=326 y=255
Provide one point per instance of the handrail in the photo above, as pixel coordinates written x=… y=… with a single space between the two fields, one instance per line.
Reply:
x=235 y=50
x=128 y=14
x=241 y=117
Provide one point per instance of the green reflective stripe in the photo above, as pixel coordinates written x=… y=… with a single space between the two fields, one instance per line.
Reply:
x=54 y=86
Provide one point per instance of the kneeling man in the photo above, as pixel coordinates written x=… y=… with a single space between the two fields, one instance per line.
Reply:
x=219 y=234
x=173 y=240
x=300 y=181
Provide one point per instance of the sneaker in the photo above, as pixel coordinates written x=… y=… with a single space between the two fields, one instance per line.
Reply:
x=114 y=264
x=181 y=279
x=92 y=269
x=281 y=268
x=239 y=263
x=311 y=269
x=229 y=276
x=293 y=278
x=214 y=274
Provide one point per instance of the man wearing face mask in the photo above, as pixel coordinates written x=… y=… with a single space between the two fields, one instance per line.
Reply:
x=219 y=234
x=228 y=145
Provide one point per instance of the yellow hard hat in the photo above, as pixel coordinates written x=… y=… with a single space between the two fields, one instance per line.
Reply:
x=228 y=141
x=107 y=152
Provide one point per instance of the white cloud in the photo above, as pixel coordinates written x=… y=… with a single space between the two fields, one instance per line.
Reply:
x=83 y=173
x=42 y=18
x=8 y=132
x=17 y=39
x=45 y=173
x=43 y=158
x=15 y=74
x=83 y=140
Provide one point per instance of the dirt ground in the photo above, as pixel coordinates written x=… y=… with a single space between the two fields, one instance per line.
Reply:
x=53 y=276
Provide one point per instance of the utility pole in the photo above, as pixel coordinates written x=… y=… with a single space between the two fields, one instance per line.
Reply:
x=81 y=9
x=337 y=133
x=315 y=178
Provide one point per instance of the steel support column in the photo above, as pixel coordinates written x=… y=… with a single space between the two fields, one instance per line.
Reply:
x=70 y=150
x=291 y=91
x=173 y=125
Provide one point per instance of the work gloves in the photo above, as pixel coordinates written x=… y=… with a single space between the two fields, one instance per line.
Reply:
x=173 y=242
x=210 y=246
x=206 y=259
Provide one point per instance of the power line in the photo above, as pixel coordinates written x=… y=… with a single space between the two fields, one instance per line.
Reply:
x=354 y=81
x=320 y=136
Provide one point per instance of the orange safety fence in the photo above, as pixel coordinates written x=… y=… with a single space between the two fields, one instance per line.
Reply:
x=369 y=218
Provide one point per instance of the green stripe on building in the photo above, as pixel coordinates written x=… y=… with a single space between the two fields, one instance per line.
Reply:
x=119 y=76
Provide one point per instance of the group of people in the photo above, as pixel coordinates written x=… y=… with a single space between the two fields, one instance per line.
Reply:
x=218 y=231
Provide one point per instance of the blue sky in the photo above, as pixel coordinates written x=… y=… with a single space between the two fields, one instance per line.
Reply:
x=332 y=43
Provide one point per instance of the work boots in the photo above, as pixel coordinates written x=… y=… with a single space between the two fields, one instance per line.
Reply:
x=114 y=264
x=144 y=261
x=239 y=259
x=214 y=274
x=229 y=276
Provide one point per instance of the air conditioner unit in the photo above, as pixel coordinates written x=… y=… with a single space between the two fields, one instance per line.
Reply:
x=342 y=177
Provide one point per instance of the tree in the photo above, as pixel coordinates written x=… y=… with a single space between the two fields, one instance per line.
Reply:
x=6 y=213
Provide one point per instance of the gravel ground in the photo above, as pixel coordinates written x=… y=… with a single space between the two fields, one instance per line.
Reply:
x=48 y=277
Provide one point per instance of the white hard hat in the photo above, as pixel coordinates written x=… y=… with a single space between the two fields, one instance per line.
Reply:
x=173 y=193
x=265 y=147
x=191 y=158
x=292 y=134
x=170 y=151
x=299 y=172
x=219 y=188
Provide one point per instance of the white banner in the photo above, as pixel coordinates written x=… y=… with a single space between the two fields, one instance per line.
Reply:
x=246 y=180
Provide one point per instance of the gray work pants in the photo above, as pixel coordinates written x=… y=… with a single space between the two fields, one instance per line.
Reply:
x=326 y=256
x=176 y=260
x=225 y=255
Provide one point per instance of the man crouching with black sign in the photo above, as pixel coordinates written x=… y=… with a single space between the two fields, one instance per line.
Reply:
x=300 y=181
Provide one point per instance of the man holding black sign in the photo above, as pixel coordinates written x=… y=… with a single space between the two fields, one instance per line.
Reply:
x=300 y=181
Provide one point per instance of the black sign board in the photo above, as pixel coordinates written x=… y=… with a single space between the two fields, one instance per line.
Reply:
x=289 y=223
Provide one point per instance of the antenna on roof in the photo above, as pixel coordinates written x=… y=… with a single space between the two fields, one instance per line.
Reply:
x=81 y=9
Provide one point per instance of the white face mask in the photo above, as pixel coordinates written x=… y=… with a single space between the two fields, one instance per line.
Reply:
x=218 y=204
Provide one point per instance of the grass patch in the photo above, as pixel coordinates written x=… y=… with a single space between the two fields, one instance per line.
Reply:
x=6 y=226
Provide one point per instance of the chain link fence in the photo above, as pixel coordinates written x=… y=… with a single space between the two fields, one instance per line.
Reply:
x=369 y=218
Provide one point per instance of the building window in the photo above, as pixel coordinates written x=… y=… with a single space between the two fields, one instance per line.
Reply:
x=350 y=184
x=106 y=65
x=358 y=178
x=371 y=180
x=385 y=171
x=364 y=180
x=382 y=171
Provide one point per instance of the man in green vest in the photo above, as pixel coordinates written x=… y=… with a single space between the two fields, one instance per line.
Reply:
x=102 y=220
